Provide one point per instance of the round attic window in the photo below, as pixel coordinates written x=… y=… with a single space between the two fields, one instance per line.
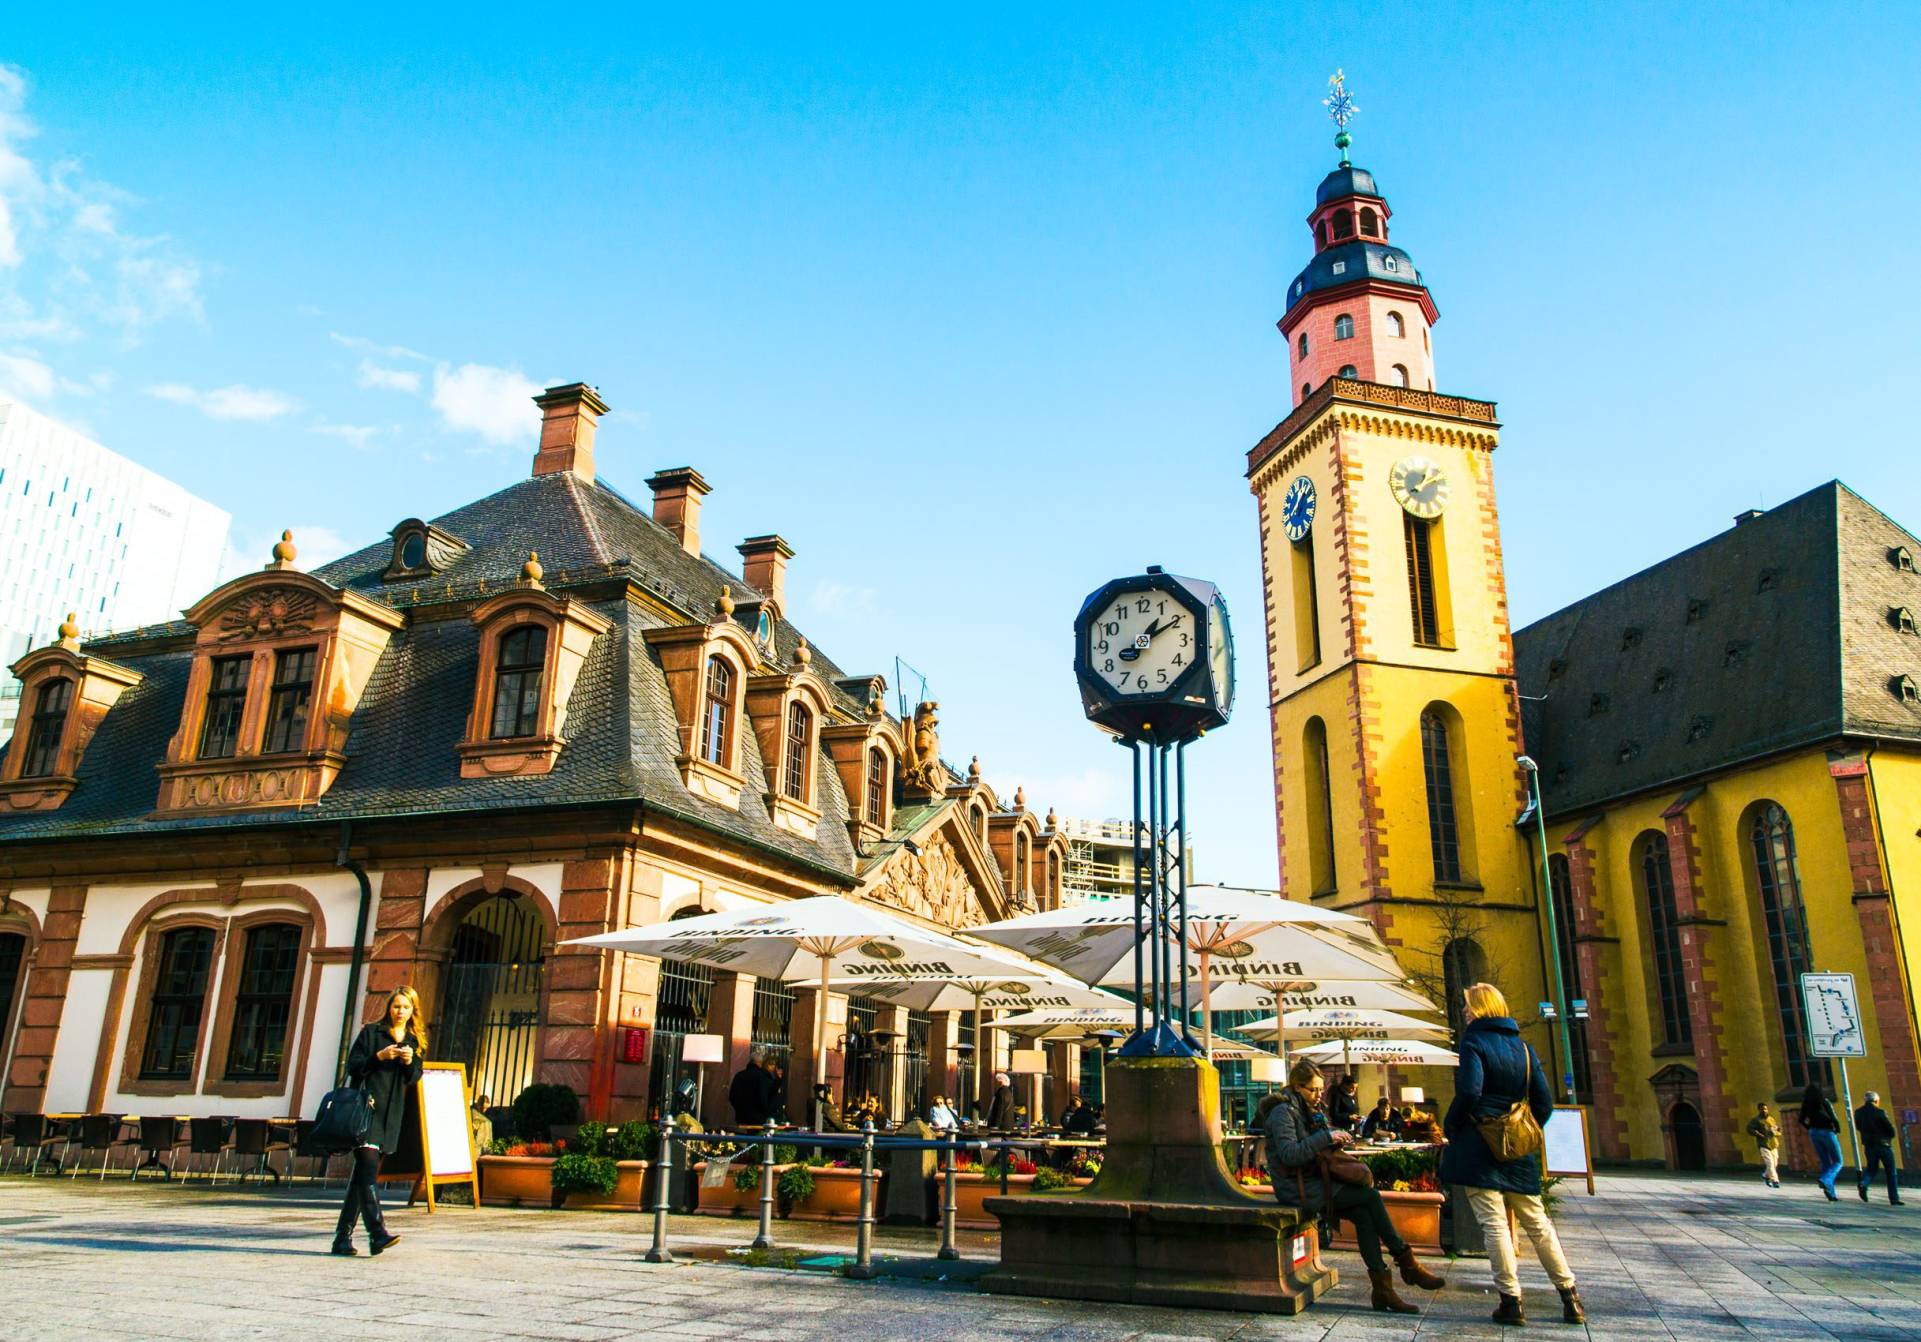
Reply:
x=764 y=629
x=413 y=551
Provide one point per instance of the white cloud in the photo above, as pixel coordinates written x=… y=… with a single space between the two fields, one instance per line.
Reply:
x=496 y=403
x=843 y=599
x=357 y=434
x=366 y=346
x=76 y=265
x=314 y=545
x=29 y=379
x=389 y=379
x=234 y=402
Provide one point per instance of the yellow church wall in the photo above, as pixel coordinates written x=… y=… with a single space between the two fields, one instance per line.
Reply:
x=1895 y=779
x=1738 y=974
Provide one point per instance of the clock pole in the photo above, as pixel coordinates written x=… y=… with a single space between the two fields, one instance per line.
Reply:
x=1140 y=932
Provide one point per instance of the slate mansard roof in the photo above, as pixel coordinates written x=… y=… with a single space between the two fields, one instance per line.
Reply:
x=1783 y=632
x=622 y=737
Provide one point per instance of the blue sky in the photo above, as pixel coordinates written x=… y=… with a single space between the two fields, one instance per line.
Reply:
x=974 y=307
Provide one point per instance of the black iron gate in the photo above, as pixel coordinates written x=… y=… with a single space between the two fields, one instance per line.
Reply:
x=489 y=1017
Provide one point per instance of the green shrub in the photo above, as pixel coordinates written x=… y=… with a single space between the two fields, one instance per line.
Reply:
x=577 y=1173
x=540 y=1106
x=796 y=1182
x=634 y=1140
x=497 y=1147
x=1047 y=1179
x=590 y=1140
x=786 y=1155
x=1409 y=1165
x=747 y=1178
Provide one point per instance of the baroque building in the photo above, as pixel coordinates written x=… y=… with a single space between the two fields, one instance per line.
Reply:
x=546 y=714
x=1728 y=744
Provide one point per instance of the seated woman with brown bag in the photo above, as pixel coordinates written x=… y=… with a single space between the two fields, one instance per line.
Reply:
x=1310 y=1169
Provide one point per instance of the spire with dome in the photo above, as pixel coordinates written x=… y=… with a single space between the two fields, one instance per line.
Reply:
x=1359 y=308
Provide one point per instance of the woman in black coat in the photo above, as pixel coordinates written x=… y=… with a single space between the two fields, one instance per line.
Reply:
x=385 y=1061
x=1497 y=1071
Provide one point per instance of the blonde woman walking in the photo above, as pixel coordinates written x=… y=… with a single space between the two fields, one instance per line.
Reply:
x=1498 y=1070
x=385 y=1060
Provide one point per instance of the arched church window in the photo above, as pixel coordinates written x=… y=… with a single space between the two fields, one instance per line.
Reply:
x=1437 y=764
x=1664 y=936
x=1400 y=375
x=1778 y=876
x=1344 y=327
x=1370 y=223
x=1301 y=345
x=1348 y=370
x=1396 y=324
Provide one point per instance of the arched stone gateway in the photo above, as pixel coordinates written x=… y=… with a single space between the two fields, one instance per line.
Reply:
x=1686 y=1139
x=486 y=1013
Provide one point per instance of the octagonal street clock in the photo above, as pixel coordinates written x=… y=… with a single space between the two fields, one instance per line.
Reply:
x=1154 y=655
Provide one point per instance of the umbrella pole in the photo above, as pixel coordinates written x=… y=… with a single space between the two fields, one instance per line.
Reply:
x=980 y=1044
x=1207 y=997
x=1280 y=1027
x=820 y=1032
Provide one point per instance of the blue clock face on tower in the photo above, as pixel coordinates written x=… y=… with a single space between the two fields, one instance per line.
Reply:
x=1297 y=509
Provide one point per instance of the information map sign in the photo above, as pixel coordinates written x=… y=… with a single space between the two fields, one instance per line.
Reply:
x=1834 y=1016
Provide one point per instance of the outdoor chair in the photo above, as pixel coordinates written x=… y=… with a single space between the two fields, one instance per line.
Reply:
x=254 y=1138
x=98 y=1132
x=158 y=1135
x=303 y=1149
x=208 y=1137
x=33 y=1134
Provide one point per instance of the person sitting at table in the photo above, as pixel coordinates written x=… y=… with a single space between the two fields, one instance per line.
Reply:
x=940 y=1117
x=481 y=1122
x=828 y=1113
x=1078 y=1120
x=1380 y=1121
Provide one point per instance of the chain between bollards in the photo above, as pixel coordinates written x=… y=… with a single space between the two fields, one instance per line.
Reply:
x=863 y=1265
x=663 y=1188
x=950 y=1157
x=765 y=1239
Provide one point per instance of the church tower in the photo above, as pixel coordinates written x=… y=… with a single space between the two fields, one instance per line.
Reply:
x=1391 y=673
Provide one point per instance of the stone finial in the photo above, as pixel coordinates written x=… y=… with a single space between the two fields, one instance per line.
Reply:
x=1020 y=799
x=531 y=572
x=69 y=632
x=283 y=551
x=1053 y=821
x=974 y=769
x=724 y=603
x=802 y=654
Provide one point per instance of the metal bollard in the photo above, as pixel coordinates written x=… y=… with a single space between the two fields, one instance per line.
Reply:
x=1007 y=1159
x=863 y=1265
x=765 y=1239
x=663 y=1188
x=948 y=1204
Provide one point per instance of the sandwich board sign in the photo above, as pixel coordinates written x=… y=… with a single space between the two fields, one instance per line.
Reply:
x=1834 y=1016
x=1566 y=1147
x=437 y=1136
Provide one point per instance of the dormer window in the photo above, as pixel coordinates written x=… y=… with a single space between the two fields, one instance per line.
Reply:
x=1697 y=609
x=1902 y=619
x=1389 y=263
x=517 y=680
x=1905 y=689
x=1630 y=638
x=226 y=705
x=1663 y=679
x=717 y=713
x=421 y=550
x=800 y=750
x=49 y=721
x=1340 y=267
x=1902 y=558
x=293 y=672
x=1597 y=704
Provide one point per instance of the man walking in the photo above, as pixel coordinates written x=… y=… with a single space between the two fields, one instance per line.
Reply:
x=1000 y=1109
x=1876 y=1132
x=1765 y=1128
x=751 y=1092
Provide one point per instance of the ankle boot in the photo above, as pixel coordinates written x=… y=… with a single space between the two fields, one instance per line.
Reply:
x=1571 y=1306
x=1511 y=1312
x=1385 y=1299
x=1413 y=1273
x=378 y=1240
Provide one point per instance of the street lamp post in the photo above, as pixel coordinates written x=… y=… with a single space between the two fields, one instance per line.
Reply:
x=1533 y=772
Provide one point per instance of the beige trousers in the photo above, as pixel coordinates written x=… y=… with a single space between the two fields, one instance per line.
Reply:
x=1770 y=1163
x=1491 y=1207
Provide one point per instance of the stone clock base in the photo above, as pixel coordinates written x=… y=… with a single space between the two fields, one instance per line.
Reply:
x=1164 y=1223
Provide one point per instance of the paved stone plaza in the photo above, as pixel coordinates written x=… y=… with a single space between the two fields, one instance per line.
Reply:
x=1658 y=1257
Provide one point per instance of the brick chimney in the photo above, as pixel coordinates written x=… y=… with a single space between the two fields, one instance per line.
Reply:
x=567 y=418
x=763 y=566
x=677 y=495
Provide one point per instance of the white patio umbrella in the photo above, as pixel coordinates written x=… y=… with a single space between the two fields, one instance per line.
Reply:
x=1232 y=934
x=1385 y=1052
x=1036 y=987
x=1336 y=1024
x=818 y=939
x=1340 y=994
x=1101 y=1020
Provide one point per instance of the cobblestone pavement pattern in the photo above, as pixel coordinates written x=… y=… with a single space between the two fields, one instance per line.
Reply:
x=1658 y=1257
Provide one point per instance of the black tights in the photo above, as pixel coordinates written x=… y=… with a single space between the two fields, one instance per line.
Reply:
x=363 y=1198
x=1363 y=1208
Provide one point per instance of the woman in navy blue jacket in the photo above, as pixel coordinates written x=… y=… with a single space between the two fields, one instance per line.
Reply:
x=1498 y=1069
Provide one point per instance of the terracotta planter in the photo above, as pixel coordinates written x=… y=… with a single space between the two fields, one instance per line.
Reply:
x=727 y=1200
x=836 y=1196
x=1416 y=1215
x=629 y=1195
x=971 y=1189
x=516 y=1181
